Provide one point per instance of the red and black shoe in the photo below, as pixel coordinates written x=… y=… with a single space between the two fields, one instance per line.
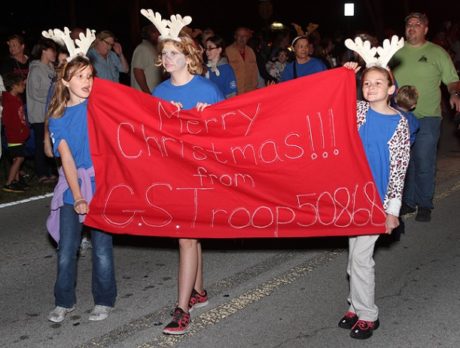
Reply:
x=197 y=300
x=363 y=329
x=179 y=324
x=348 y=321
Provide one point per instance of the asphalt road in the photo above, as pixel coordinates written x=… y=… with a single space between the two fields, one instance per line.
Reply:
x=263 y=293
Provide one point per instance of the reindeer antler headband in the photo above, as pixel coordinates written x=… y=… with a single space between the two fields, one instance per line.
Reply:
x=169 y=29
x=368 y=53
x=83 y=43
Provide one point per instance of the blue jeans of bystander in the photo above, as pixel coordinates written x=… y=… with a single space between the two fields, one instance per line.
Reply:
x=420 y=178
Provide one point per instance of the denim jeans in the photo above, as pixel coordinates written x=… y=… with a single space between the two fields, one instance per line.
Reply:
x=420 y=177
x=103 y=278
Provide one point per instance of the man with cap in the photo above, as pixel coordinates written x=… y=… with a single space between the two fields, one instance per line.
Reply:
x=424 y=65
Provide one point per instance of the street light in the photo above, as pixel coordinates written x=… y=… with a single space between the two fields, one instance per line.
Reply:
x=349 y=9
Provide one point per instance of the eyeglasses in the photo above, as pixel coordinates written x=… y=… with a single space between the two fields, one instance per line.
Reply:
x=211 y=48
x=109 y=43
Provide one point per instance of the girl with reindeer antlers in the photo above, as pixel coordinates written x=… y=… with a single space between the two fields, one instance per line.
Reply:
x=385 y=136
x=69 y=132
x=182 y=58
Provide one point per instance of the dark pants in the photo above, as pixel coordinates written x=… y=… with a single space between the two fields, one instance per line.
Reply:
x=44 y=166
x=421 y=173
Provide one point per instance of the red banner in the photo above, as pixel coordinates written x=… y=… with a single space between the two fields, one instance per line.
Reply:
x=282 y=161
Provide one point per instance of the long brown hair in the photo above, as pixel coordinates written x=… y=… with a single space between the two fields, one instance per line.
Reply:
x=61 y=93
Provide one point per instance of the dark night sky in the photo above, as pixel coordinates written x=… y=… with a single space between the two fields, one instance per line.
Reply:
x=121 y=16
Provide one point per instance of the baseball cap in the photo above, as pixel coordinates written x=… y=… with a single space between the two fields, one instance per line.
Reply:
x=418 y=15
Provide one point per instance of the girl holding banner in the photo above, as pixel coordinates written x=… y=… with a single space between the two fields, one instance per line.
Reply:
x=75 y=188
x=384 y=133
x=182 y=58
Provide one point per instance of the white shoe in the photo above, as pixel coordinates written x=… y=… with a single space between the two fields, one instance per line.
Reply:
x=58 y=314
x=100 y=313
x=85 y=245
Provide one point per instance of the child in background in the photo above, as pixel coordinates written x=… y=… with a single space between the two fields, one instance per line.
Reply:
x=69 y=132
x=385 y=136
x=16 y=129
x=182 y=58
x=276 y=67
x=406 y=100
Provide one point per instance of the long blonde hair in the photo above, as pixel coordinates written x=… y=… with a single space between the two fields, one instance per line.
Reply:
x=61 y=93
x=190 y=49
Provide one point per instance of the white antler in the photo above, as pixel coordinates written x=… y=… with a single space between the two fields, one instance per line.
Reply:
x=177 y=23
x=155 y=18
x=169 y=29
x=388 y=49
x=364 y=49
x=51 y=35
x=63 y=38
x=84 y=42
x=384 y=52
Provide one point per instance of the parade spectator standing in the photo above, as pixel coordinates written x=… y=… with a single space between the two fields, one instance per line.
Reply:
x=243 y=60
x=406 y=102
x=16 y=128
x=276 y=67
x=41 y=74
x=424 y=65
x=219 y=71
x=2 y=89
x=303 y=64
x=18 y=61
x=107 y=57
x=145 y=75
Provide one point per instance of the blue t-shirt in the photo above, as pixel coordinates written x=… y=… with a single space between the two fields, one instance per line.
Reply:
x=226 y=81
x=314 y=65
x=197 y=90
x=375 y=134
x=73 y=128
x=414 y=124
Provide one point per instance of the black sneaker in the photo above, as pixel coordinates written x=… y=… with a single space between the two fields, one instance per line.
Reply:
x=348 y=321
x=179 y=324
x=406 y=209
x=22 y=185
x=423 y=215
x=13 y=187
x=363 y=329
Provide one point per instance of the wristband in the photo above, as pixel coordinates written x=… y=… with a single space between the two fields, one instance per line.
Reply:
x=79 y=202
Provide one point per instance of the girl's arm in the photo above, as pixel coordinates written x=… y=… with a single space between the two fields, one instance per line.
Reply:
x=399 y=160
x=71 y=175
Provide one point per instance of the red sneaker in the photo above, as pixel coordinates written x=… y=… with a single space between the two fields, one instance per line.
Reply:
x=179 y=324
x=197 y=300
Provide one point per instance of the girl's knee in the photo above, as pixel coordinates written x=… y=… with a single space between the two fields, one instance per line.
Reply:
x=188 y=243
